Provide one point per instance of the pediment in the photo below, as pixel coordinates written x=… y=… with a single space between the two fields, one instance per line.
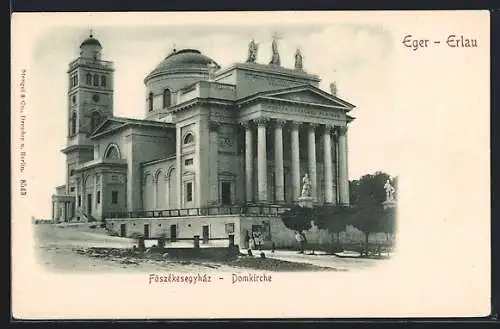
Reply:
x=108 y=125
x=310 y=95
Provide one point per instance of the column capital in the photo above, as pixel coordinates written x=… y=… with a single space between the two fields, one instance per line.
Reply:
x=247 y=124
x=312 y=125
x=214 y=126
x=342 y=130
x=279 y=123
x=294 y=124
x=328 y=129
x=262 y=121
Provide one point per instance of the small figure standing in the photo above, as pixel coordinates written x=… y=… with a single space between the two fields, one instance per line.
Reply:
x=298 y=60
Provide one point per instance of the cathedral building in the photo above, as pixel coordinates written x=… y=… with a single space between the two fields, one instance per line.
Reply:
x=219 y=150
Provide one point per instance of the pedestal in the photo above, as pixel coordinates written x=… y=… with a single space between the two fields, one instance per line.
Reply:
x=305 y=201
x=389 y=204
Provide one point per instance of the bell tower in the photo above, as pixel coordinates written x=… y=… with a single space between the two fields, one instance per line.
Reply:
x=90 y=101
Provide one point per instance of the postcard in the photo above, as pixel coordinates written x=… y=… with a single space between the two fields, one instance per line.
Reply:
x=250 y=165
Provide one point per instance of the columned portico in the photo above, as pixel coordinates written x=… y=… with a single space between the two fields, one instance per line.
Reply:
x=278 y=161
x=295 y=160
x=343 y=173
x=261 y=160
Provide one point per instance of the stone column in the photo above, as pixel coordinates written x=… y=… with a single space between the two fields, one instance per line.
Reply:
x=261 y=160
x=53 y=210
x=278 y=161
x=328 y=164
x=343 y=173
x=214 y=154
x=311 y=150
x=295 y=160
x=248 y=161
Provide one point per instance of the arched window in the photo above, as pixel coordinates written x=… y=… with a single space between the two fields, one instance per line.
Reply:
x=89 y=78
x=73 y=124
x=167 y=98
x=112 y=152
x=150 y=102
x=103 y=81
x=96 y=80
x=95 y=119
x=189 y=139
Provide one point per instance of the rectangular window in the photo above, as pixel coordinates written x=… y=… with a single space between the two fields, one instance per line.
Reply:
x=89 y=78
x=72 y=189
x=188 y=162
x=103 y=81
x=230 y=228
x=114 y=197
x=189 y=192
x=96 y=80
x=98 y=197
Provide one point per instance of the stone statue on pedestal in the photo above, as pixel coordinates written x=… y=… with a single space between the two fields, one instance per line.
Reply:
x=333 y=88
x=306 y=186
x=252 y=52
x=389 y=191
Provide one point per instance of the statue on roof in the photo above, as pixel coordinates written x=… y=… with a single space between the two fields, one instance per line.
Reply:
x=333 y=88
x=298 y=60
x=275 y=59
x=252 y=52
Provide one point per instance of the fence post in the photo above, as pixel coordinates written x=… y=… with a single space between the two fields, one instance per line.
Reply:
x=196 y=240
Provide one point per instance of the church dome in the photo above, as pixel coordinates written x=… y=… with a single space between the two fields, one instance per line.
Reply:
x=185 y=60
x=91 y=41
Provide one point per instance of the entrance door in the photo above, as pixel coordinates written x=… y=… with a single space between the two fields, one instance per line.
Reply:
x=173 y=233
x=123 y=230
x=146 y=231
x=226 y=193
x=89 y=204
x=205 y=233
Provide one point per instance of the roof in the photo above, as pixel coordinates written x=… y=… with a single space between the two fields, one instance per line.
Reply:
x=91 y=41
x=115 y=123
x=183 y=59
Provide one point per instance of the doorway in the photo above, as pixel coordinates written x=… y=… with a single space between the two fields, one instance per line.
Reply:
x=146 y=231
x=123 y=230
x=173 y=233
x=226 y=193
x=89 y=204
x=205 y=234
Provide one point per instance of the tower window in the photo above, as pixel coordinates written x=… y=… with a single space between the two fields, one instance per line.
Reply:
x=103 y=81
x=150 y=102
x=73 y=124
x=189 y=139
x=89 y=78
x=167 y=98
x=96 y=80
x=76 y=79
x=98 y=197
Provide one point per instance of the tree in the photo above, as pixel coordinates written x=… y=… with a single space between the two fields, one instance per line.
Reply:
x=367 y=196
x=297 y=218
x=333 y=219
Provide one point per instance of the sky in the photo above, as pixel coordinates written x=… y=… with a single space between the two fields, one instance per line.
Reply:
x=362 y=56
